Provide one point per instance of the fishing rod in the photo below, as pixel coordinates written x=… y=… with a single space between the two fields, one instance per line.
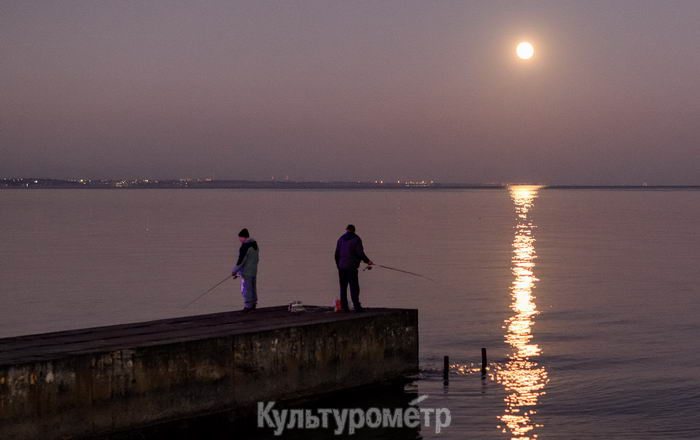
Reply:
x=210 y=289
x=400 y=270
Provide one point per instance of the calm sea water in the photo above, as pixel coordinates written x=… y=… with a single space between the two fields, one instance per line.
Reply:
x=588 y=301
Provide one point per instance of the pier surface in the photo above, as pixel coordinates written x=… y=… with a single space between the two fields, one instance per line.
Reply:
x=88 y=382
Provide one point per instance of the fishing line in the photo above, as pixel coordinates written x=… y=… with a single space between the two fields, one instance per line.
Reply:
x=210 y=289
x=400 y=270
x=447 y=288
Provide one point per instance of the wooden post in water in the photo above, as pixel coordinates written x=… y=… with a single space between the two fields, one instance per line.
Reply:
x=484 y=362
x=446 y=370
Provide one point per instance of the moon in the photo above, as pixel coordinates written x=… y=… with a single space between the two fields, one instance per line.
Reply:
x=525 y=50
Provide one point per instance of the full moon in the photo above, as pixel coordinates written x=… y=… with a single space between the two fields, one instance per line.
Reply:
x=525 y=50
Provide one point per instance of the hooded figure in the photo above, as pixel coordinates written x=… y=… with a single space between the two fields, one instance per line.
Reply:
x=247 y=268
x=349 y=252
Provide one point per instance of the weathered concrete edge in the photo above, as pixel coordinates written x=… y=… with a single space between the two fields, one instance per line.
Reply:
x=137 y=387
x=53 y=339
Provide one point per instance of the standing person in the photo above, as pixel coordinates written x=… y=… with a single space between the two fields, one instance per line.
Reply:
x=348 y=254
x=247 y=267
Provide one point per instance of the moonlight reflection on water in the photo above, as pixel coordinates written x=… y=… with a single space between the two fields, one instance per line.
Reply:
x=523 y=378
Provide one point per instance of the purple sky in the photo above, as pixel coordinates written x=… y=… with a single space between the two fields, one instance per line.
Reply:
x=346 y=90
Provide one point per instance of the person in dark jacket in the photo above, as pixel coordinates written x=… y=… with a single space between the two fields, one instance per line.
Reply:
x=348 y=254
x=247 y=268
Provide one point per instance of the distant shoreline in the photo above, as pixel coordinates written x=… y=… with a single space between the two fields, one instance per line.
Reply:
x=40 y=183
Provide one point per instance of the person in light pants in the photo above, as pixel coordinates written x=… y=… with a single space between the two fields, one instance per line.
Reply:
x=247 y=268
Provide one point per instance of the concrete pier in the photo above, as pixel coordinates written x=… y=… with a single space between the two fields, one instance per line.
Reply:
x=90 y=382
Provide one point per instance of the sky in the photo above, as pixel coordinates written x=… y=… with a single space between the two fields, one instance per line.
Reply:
x=352 y=90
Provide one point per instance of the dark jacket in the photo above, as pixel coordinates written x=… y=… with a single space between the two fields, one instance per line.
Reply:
x=349 y=251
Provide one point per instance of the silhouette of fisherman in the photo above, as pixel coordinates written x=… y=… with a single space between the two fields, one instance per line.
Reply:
x=348 y=254
x=247 y=268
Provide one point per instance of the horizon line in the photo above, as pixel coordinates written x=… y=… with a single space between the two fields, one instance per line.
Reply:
x=41 y=182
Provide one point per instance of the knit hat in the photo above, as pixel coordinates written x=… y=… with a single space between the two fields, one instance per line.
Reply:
x=244 y=233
